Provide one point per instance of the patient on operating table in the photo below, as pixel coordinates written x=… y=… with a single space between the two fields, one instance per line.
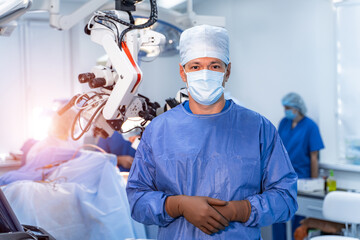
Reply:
x=55 y=148
x=72 y=194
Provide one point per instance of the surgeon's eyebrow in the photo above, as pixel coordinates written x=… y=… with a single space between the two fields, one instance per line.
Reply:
x=216 y=61
x=212 y=62
x=195 y=62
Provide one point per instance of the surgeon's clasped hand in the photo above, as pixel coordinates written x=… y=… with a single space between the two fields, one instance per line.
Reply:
x=235 y=211
x=198 y=211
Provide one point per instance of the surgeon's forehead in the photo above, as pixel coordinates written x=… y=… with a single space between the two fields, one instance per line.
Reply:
x=205 y=60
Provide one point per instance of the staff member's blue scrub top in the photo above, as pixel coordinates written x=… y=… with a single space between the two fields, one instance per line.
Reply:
x=117 y=145
x=299 y=142
x=232 y=155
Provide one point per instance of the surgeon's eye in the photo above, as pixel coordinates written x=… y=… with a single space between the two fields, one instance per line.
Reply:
x=216 y=67
x=194 y=68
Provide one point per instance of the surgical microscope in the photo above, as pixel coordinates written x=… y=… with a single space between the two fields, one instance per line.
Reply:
x=113 y=98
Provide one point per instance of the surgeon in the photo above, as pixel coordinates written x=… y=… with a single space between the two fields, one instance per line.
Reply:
x=302 y=140
x=208 y=168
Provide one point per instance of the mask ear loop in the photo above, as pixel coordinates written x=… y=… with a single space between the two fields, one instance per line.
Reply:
x=187 y=85
x=183 y=66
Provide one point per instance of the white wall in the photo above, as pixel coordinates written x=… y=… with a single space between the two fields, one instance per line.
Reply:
x=12 y=124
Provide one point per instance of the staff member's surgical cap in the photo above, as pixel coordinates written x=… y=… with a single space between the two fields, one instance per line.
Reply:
x=204 y=41
x=294 y=100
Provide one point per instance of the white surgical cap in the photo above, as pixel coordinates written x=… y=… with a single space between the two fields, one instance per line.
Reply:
x=204 y=41
x=294 y=100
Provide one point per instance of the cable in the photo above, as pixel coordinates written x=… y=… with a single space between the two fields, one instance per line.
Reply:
x=88 y=105
x=132 y=20
x=87 y=127
x=103 y=18
x=93 y=146
x=88 y=25
x=152 y=19
x=80 y=97
x=141 y=128
x=87 y=145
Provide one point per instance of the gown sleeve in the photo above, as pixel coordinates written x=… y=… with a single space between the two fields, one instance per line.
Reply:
x=277 y=200
x=147 y=204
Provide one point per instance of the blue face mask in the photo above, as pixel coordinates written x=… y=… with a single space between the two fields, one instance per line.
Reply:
x=205 y=86
x=289 y=114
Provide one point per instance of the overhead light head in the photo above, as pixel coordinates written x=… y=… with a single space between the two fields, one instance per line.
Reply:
x=167 y=48
x=12 y=9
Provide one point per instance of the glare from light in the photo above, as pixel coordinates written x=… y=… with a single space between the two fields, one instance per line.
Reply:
x=339 y=68
x=339 y=106
x=39 y=123
x=139 y=21
x=56 y=105
x=338 y=44
x=3 y=156
x=131 y=123
x=339 y=102
x=136 y=119
x=339 y=122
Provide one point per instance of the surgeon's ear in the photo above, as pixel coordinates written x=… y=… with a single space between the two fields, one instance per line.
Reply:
x=228 y=71
x=182 y=73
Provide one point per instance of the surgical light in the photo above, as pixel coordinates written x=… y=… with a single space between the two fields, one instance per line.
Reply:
x=167 y=48
x=10 y=10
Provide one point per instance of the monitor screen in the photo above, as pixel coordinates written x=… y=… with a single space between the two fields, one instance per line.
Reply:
x=8 y=220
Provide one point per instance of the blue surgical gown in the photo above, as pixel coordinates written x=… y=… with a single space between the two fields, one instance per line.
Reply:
x=299 y=142
x=117 y=145
x=233 y=155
